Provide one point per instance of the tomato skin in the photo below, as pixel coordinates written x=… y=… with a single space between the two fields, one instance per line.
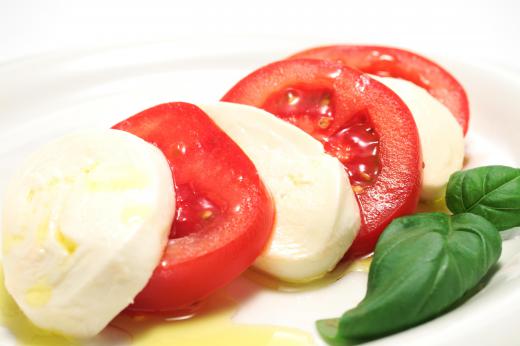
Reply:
x=395 y=192
x=399 y=63
x=204 y=158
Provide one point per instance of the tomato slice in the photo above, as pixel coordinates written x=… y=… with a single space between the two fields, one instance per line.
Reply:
x=360 y=121
x=224 y=213
x=399 y=63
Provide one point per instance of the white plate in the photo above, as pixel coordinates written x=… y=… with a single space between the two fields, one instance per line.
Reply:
x=47 y=96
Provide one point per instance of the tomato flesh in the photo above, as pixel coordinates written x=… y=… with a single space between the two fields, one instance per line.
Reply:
x=400 y=63
x=224 y=214
x=360 y=121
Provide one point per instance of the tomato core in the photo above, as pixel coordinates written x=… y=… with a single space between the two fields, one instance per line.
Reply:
x=194 y=211
x=357 y=147
x=355 y=144
x=309 y=108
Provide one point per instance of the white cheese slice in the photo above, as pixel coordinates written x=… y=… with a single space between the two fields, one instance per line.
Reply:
x=85 y=223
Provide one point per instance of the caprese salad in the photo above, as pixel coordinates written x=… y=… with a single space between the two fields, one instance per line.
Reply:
x=303 y=163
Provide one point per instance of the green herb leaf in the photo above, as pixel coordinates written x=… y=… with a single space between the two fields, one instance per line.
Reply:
x=492 y=192
x=422 y=265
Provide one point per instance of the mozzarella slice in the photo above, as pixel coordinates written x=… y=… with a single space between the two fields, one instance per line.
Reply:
x=441 y=137
x=317 y=216
x=85 y=223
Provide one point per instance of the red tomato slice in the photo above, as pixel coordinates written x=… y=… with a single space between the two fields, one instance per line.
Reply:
x=224 y=213
x=360 y=121
x=399 y=63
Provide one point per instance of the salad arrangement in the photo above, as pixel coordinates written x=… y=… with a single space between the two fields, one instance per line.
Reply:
x=250 y=188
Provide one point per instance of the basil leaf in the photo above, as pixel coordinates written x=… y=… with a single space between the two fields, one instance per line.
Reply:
x=423 y=264
x=492 y=192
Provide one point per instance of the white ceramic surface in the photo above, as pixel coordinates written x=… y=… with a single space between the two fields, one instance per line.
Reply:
x=47 y=96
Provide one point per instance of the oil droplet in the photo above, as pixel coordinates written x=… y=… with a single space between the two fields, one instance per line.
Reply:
x=39 y=294
x=67 y=243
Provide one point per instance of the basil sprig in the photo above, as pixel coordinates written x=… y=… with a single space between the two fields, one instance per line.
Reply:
x=492 y=192
x=422 y=265
x=425 y=263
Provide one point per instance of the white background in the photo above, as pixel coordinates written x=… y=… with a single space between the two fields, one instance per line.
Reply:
x=485 y=31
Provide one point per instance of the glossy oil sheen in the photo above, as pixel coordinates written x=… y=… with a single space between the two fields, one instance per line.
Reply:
x=214 y=319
